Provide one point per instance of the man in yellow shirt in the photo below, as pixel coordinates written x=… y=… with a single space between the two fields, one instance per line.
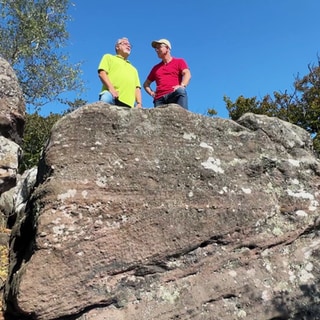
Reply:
x=120 y=79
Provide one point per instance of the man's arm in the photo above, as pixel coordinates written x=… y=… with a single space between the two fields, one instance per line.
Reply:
x=138 y=97
x=147 y=88
x=106 y=81
x=186 y=76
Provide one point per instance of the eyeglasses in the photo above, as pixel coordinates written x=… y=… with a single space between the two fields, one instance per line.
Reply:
x=126 y=44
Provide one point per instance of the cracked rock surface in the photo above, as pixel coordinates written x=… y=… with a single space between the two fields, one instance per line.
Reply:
x=165 y=214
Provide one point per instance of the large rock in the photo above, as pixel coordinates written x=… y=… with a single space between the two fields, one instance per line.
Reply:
x=165 y=214
x=12 y=104
x=14 y=201
x=12 y=120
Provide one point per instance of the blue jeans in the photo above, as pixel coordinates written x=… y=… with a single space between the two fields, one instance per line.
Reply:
x=179 y=97
x=107 y=97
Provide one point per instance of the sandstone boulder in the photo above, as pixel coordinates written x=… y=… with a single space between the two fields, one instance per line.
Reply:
x=166 y=214
x=12 y=105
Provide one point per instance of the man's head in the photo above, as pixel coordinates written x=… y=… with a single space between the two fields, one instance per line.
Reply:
x=123 y=47
x=162 y=47
x=162 y=42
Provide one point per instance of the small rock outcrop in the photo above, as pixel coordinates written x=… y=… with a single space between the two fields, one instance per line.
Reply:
x=166 y=214
x=12 y=120
x=12 y=105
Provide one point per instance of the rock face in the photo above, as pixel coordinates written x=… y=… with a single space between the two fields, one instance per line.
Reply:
x=165 y=214
x=12 y=105
x=12 y=119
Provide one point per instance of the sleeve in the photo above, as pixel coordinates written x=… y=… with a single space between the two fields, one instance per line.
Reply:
x=151 y=77
x=183 y=64
x=104 y=63
x=138 y=84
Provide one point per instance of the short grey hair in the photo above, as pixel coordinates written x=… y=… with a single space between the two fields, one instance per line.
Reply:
x=119 y=41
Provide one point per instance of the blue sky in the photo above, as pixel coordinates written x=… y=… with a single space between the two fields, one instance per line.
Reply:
x=233 y=47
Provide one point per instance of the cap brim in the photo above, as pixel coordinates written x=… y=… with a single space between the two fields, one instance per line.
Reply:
x=154 y=43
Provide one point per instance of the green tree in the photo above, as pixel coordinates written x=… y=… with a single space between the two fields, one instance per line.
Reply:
x=241 y=106
x=301 y=107
x=309 y=104
x=212 y=112
x=37 y=131
x=73 y=105
x=32 y=37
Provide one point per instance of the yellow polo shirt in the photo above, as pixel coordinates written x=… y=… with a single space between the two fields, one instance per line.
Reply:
x=123 y=76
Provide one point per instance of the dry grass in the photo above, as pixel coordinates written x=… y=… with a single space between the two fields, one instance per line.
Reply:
x=4 y=263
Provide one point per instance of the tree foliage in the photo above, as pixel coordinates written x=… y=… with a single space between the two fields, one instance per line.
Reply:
x=73 y=105
x=37 y=131
x=211 y=112
x=32 y=37
x=302 y=107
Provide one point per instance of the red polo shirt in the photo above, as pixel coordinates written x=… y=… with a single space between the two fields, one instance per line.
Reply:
x=167 y=76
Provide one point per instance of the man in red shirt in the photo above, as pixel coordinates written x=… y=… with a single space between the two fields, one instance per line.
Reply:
x=172 y=75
